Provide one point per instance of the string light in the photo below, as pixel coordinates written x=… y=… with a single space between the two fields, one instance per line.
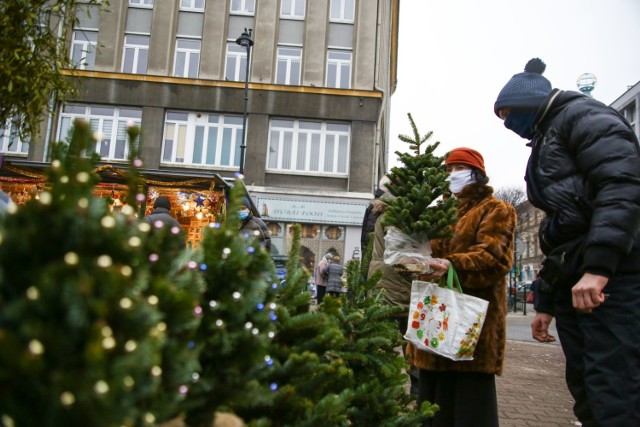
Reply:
x=32 y=293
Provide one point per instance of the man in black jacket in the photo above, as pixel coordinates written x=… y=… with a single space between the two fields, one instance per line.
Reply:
x=161 y=217
x=252 y=225
x=584 y=173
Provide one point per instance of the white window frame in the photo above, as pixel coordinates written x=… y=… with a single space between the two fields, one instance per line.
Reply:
x=287 y=60
x=86 y=49
x=193 y=5
x=141 y=3
x=243 y=7
x=109 y=129
x=297 y=148
x=238 y=55
x=338 y=11
x=188 y=53
x=135 y=49
x=337 y=65
x=10 y=141
x=183 y=136
x=296 y=9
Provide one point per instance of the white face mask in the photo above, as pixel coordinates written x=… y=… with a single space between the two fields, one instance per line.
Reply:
x=460 y=179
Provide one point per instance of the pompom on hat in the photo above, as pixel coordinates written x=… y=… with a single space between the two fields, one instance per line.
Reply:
x=525 y=90
x=466 y=156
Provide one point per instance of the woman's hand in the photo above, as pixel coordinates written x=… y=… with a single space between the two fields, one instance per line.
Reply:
x=439 y=266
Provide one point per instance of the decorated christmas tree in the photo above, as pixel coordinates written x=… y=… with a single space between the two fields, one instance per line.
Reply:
x=238 y=316
x=82 y=328
x=307 y=383
x=421 y=209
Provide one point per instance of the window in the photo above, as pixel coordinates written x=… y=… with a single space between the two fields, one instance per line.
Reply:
x=245 y=7
x=342 y=10
x=629 y=113
x=236 y=62
x=288 y=66
x=304 y=146
x=292 y=9
x=187 y=58
x=10 y=141
x=202 y=139
x=136 y=54
x=144 y=3
x=192 y=5
x=339 y=69
x=83 y=49
x=108 y=123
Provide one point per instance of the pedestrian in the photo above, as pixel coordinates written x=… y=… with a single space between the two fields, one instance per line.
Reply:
x=252 y=225
x=584 y=173
x=160 y=218
x=333 y=282
x=320 y=277
x=396 y=285
x=481 y=251
x=371 y=214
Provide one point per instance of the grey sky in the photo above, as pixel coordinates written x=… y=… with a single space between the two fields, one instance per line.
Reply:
x=455 y=56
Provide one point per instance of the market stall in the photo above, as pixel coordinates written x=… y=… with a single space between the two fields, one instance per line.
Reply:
x=196 y=199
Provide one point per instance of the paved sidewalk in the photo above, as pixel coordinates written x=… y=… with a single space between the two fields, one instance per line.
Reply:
x=532 y=391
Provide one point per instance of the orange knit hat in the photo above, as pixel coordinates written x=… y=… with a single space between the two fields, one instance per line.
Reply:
x=466 y=156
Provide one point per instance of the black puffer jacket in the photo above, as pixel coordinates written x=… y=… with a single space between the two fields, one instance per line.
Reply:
x=588 y=181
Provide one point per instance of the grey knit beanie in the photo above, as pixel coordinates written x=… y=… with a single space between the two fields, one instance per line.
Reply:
x=525 y=90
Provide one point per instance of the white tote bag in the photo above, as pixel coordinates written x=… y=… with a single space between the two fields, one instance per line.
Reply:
x=443 y=320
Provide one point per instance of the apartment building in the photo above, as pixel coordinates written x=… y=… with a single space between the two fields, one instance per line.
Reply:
x=628 y=105
x=320 y=77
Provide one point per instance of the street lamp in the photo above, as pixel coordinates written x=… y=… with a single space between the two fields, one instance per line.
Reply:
x=245 y=41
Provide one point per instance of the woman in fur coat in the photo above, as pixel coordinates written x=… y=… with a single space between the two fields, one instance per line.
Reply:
x=481 y=251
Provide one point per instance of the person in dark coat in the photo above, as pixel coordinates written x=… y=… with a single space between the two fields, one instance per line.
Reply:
x=161 y=217
x=481 y=250
x=371 y=214
x=334 y=277
x=584 y=173
x=252 y=225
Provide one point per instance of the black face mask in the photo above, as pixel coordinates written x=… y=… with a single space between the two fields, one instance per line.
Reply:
x=521 y=122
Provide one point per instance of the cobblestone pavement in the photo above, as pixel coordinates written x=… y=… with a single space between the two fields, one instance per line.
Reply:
x=532 y=391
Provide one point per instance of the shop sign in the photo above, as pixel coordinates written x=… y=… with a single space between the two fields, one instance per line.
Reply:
x=310 y=211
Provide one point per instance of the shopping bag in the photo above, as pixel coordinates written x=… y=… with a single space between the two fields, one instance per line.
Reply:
x=443 y=320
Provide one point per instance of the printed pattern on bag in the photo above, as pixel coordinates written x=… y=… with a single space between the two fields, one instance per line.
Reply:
x=431 y=322
x=468 y=345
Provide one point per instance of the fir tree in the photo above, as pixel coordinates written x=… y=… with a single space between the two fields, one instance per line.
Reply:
x=419 y=209
x=307 y=383
x=80 y=333
x=238 y=313
x=381 y=395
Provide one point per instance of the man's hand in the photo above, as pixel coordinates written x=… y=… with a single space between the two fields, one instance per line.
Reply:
x=587 y=293
x=540 y=327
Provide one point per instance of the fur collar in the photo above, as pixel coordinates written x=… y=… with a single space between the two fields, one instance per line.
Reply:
x=471 y=196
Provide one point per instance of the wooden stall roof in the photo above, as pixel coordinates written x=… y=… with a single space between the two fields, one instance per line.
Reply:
x=34 y=172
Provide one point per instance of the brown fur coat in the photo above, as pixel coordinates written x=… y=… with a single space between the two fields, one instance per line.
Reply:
x=481 y=251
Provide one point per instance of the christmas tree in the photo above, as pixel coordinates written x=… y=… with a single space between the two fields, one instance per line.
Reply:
x=238 y=313
x=307 y=383
x=90 y=333
x=421 y=209
x=379 y=383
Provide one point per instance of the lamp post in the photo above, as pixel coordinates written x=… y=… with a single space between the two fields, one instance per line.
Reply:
x=245 y=41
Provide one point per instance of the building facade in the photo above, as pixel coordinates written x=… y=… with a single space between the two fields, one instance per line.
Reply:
x=321 y=74
x=627 y=104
